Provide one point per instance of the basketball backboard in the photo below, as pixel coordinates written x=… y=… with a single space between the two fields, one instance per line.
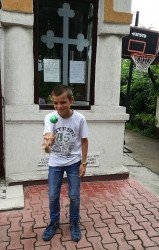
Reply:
x=140 y=41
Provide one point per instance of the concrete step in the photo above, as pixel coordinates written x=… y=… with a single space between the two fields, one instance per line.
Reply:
x=11 y=197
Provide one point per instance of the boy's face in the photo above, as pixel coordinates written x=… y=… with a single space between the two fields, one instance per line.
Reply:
x=62 y=105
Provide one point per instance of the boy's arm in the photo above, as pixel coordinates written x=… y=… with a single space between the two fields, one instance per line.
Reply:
x=82 y=168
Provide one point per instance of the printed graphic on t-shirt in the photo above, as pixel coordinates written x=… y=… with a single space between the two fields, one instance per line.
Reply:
x=64 y=142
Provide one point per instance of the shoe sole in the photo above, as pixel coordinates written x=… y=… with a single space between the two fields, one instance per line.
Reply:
x=51 y=237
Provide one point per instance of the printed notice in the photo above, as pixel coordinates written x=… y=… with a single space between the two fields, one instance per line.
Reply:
x=52 y=70
x=93 y=160
x=43 y=162
x=77 y=71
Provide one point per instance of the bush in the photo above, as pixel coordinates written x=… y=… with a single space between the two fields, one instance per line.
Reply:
x=146 y=123
x=143 y=98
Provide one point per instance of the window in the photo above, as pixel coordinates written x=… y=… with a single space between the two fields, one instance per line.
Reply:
x=64 y=49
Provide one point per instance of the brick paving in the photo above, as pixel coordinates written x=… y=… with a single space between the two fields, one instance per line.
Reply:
x=115 y=215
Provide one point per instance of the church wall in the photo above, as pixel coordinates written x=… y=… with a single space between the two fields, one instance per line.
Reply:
x=23 y=119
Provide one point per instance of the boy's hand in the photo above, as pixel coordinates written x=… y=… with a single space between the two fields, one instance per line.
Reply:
x=49 y=139
x=82 y=170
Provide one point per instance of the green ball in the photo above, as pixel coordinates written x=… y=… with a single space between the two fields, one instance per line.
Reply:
x=53 y=119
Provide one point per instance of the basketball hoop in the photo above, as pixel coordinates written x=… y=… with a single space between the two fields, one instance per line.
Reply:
x=142 y=62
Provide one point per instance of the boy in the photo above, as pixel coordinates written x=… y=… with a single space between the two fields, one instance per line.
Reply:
x=69 y=141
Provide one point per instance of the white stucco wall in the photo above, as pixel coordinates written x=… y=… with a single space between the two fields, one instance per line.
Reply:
x=108 y=63
x=24 y=120
x=19 y=83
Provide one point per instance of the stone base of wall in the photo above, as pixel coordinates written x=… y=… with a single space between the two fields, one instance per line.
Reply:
x=112 y=177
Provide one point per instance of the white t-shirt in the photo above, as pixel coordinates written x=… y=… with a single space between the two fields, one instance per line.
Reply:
x=67 y=147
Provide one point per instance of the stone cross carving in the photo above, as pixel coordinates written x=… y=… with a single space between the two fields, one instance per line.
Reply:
x=50 y=39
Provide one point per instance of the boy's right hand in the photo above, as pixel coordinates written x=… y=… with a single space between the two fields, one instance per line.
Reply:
x=49 y=139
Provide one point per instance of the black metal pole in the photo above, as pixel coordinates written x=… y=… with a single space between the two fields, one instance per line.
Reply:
x=137 y=18
x=130 y=77
x=151 y=76
x=1 y=134
x=129 y=85
x=130 y=71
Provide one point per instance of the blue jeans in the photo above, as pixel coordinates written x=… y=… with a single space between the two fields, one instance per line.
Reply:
x=55 y=181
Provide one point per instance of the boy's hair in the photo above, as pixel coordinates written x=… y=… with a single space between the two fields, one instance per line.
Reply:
x=61 y=89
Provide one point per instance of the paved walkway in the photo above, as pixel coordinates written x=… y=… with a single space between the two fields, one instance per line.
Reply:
x=145 y=150
x=118 y=215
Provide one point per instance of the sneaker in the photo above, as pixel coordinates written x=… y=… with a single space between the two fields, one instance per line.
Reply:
x=75 y=231
x=50 y=231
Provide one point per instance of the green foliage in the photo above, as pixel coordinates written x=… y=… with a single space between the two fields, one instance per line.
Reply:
x=146 y=123
x=143 y=98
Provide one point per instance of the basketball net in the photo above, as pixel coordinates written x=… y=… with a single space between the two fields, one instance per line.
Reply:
x=142 y=62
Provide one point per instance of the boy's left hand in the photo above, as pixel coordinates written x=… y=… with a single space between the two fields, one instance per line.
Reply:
x=82 y=170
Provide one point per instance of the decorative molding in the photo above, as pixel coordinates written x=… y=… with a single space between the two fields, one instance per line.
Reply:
x=18 y=5
x=113 y=16
x=15 y=18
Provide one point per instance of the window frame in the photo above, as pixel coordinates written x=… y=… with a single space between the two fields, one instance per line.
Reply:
x=93 y=61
